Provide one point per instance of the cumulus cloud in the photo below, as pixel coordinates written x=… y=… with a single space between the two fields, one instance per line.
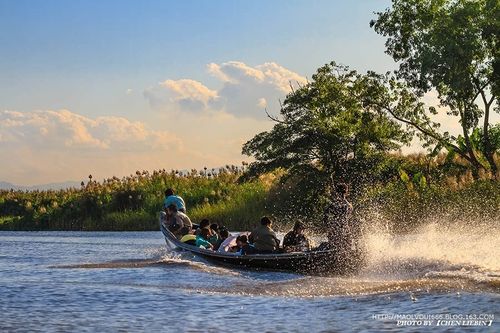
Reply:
x=46 y=146
x=63 y=129
x=184 y=94
x=246 y=90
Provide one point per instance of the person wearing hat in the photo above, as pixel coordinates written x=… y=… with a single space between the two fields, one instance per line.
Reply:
x=295 y=240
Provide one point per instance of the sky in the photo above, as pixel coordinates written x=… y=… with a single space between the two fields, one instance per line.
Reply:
x=110 y=87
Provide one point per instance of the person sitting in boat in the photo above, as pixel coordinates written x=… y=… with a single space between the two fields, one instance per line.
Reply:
x=204 y=224
x=295 y=240
x=243 y=245
x=214 y=227
x=187 y=236
x=171 y=198
x=202 y=239
x=177 y=220
x=337 y=217
x=264 y=238
x=229 y=244
x=224 y=234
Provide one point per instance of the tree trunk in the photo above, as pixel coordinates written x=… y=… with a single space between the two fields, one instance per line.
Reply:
x=488 y=151
x=470 y=150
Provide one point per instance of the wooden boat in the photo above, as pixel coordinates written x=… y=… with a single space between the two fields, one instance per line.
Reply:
x=316 y=261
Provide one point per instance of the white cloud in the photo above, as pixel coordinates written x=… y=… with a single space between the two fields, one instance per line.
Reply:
x=46 y=146
x=63 y=129
x=180 y=95
x=209 y=129
x=245 y=92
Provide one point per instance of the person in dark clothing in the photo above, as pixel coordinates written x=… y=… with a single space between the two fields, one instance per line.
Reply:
x=295 y=240
x=245 y=247
x=214 y=239
x=224 y=234
x=264 y=238
x=204 y=224
x=337 y=217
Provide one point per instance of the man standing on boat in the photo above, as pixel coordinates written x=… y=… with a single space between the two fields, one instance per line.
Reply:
x=171 y=198
x=337 y=218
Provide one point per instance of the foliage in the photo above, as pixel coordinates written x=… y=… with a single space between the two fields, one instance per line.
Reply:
x=405 y=191
x=450 y=46
x=326 y=133
x=133 y=202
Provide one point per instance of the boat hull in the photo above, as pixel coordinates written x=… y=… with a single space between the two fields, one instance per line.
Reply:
x=325 y=261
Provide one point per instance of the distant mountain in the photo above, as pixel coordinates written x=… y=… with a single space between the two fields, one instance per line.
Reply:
x=51 y=186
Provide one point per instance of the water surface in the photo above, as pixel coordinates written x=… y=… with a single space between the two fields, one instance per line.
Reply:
x=127 y=281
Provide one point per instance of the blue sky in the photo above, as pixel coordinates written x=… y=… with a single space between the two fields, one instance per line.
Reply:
x=110 y=62
x=84 y=54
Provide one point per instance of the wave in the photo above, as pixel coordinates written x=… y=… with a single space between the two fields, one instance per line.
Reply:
x=436 y=259
x=160 y=259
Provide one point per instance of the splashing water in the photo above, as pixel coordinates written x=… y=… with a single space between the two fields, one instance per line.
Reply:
x=434 y=258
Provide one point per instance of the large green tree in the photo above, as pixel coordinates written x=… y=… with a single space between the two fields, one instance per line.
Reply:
x=327 y=131
x=452 y=47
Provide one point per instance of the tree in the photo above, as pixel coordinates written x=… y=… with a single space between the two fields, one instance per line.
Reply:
x=326 y=133
x=451 y=46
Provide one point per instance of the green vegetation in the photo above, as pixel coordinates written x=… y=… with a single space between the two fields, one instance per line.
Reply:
x=409 y=190
x=340 y=127
x=450 y=47
x=133 y=202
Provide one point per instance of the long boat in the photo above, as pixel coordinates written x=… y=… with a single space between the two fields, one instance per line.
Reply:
x=315 y=261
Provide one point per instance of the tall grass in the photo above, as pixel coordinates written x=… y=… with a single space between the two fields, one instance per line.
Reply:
x=411 y=190
x=133 y=202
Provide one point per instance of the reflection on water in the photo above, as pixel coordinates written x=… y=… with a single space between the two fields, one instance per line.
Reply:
x=71 y=281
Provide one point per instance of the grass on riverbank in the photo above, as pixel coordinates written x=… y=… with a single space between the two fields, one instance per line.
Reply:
x=419 y=190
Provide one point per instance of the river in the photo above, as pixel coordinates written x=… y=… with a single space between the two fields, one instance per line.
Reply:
x=130 y=282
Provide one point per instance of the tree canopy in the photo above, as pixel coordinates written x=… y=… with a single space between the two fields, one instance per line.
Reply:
x=452 y=47
x=326 y=131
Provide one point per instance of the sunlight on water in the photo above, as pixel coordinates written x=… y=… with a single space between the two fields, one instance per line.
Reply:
x=65 y=277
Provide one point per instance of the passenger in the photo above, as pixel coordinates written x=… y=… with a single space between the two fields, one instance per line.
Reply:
x=296 y=240
x=224 y=234
x=187 y=236
x=243 y=245
x=264 y=238
x=204 y=224
x=177 y=220
x=229 y=244
x=214 y=227
x=171 y=198
x=202 y=239
x=164 y=217
x=337 y=217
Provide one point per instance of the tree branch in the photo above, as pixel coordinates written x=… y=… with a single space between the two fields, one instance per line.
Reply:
x=435 y=136
x=275 y=119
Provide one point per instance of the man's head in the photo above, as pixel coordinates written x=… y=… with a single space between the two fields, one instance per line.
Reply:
x=241 y=240
x=266 y=221
x=169 y=192
x=205 y=223
x=298 y=227
x=224 y=233
x=214 y=227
